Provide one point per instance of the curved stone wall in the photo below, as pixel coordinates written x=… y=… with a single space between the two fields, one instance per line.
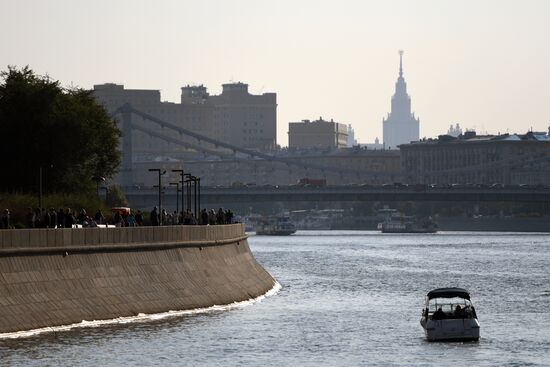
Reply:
x=52 y=277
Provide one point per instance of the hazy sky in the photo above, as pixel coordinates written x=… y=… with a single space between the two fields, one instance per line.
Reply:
x=483 y=63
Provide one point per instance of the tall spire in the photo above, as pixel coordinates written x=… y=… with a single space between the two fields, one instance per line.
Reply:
x=401 y=126
x=401 y=63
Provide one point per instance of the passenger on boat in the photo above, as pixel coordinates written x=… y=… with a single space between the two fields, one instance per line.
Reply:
x=438 y=315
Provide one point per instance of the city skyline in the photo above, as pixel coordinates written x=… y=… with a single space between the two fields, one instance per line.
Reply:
x=484 y=68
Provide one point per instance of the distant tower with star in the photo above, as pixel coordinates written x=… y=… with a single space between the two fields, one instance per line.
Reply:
x=401 y=126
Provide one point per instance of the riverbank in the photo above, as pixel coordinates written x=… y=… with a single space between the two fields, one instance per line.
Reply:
x=53 y=277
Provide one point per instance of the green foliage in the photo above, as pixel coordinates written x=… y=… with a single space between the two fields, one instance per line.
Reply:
x=64 y=131
x=115 y=197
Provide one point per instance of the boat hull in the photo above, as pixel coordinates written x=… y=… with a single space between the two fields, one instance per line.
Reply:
x=407 y=230
x=275 y=232
x=451 y=329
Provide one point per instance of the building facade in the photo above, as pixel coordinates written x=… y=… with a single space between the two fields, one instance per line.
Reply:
x=244 y=119
x=472 y=159
x=235 y=116
x=317 y=134
x=400 y=126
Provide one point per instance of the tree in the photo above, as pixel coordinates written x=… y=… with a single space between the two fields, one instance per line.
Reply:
x=116 y=197
x=64 y=131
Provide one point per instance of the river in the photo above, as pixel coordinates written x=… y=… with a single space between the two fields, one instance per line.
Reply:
x=348 y=298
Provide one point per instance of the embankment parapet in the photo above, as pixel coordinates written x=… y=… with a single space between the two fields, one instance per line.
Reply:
x=67 y=237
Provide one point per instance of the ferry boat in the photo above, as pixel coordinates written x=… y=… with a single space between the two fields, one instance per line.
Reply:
x=275 y=226
x=398 y=223
x=450 y=316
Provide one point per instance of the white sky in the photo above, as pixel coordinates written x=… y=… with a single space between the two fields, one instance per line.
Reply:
x=483 y=63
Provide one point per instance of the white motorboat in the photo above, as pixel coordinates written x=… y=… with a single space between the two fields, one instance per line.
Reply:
x=449 y=315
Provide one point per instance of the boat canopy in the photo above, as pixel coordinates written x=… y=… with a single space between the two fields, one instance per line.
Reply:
x=449 y=293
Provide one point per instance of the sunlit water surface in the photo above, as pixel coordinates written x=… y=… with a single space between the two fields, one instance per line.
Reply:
x=348 y=298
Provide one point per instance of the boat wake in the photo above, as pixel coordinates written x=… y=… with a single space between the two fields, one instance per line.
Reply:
x=140 y=317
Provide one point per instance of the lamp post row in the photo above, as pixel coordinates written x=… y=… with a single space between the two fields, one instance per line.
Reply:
x=190 y=182
x=160 y=173
x=190 y=187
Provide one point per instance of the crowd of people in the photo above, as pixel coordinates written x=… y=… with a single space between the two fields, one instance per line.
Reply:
x=67 y=218
x=205 y=217
x=62 y=218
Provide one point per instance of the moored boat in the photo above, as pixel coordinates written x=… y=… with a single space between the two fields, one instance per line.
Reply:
x=275 y=226
x=449 y=315
x=407 y=224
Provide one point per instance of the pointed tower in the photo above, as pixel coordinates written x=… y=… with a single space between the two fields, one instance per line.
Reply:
x=401 y=126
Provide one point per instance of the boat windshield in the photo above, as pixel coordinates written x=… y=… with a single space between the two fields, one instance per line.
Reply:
x=450 y=308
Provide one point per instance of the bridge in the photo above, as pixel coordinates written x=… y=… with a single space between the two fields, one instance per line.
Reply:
x=173 y=133
x=225 y=196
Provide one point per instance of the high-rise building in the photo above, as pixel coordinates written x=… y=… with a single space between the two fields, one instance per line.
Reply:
x=400 y=126
x=244 y=119
x=317 y=134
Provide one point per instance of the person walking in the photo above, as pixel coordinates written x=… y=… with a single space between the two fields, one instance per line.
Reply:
x=44 y=218
x=131 y=220
x=164 y=217
x=204 y=217
x=211 y=217
x=53 y=218
x=69 y=218
x=5 y=219
x=118 y=219
x=228 y=216
x=139 y=218
x=154 y=217
x=37 y=218
x=60 y=218
x=98 y=217
x=29 y=217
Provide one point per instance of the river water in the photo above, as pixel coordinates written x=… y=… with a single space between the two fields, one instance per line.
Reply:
x=348 y=298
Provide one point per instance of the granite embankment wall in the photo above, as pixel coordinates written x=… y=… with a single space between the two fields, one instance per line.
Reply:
x=51 y=277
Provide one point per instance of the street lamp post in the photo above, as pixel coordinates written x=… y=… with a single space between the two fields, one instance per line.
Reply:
x=160 y=173
x=195 y=193
x=182 y=183
x=177 y=184
x=199 y=194
x=188 y=188
x=40 y=189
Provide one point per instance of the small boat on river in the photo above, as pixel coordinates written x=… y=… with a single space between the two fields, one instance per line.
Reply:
x=275 y=226
x=450 y=316
x=398 y=223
